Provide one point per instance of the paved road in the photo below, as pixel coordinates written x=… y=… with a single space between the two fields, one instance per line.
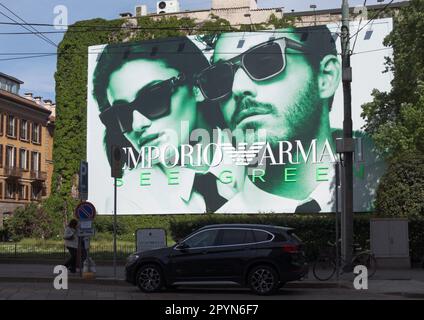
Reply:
x=45 y=291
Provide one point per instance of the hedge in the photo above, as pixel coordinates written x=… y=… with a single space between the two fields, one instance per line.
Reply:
x=314 y=230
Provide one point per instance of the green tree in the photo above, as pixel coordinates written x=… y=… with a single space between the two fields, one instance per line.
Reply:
x=30 y=221
x=395 y=119
x=401 y=190
x=279 y=23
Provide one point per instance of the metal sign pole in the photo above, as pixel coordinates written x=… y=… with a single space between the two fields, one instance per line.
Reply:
x=80 y=254
x=336 y=167
x=114 y=228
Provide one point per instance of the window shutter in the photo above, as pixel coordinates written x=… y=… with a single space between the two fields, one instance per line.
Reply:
x=7 y=157
x=1 y=156
x=27 y=160
x=39 y=161
x=14 y=157
x=1 y=124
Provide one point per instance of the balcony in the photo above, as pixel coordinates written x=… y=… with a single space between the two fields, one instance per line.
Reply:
x=38 y=175
x=12 y=172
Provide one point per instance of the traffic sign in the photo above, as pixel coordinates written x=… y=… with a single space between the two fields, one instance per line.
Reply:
x=85 y=211
x=83 y=181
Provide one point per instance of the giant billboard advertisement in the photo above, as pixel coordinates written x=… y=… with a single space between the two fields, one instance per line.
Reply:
x=242 y=122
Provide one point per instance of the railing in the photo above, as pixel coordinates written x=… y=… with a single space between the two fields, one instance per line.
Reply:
x=38 y=175
x=13 y=172
x=12 y=250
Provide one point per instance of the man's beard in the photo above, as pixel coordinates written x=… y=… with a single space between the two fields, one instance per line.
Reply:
x=300 y=119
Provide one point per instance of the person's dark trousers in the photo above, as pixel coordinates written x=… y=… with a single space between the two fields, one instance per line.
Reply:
x=71 y=263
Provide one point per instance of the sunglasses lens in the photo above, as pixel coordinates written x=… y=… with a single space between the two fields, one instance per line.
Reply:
x=264 y=61
x=217 y=81
x=155 y=102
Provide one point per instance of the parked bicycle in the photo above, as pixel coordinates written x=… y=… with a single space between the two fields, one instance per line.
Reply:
x=326 y=265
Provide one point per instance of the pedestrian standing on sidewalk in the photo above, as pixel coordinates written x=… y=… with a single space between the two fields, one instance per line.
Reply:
x=71 y=243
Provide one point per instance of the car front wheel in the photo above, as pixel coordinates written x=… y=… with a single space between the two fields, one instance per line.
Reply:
x=149 y=278
x=263 y=280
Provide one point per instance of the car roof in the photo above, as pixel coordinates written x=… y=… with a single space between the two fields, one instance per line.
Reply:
x=247 y=226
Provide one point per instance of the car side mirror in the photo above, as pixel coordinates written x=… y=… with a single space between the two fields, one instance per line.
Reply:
x=182 y=246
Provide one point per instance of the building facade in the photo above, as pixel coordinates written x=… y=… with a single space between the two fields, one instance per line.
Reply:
x=26 y=147
x=247 y=12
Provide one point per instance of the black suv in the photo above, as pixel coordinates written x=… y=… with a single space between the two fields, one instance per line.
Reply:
x=259 y=256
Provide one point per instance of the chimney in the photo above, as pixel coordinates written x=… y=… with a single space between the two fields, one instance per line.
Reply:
x=28 y=95
x=48 y=103
x=53 y=110
x=125 y=15
x=37 y=100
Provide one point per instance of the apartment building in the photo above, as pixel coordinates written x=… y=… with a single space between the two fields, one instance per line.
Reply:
x=26 y=146
x=247 y=12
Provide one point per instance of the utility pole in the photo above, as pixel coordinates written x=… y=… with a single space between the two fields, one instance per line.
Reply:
x=348 y=147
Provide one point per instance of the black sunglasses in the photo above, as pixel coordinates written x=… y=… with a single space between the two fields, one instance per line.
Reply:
x=153 y=101
x=260 y=63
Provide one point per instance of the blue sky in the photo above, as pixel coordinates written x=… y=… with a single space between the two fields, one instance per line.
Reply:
x=38 y=73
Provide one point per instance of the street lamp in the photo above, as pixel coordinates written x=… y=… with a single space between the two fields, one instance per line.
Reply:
x=250 y=17
x=313 y=6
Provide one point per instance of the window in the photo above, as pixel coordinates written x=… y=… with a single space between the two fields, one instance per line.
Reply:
x=1 y=124
x=23 y=159
x=35 y=192
x=1 y=190
x=1 y=156
x=202 y=239
x=262 y=236
x=10 y=156
x=235 y=236
x=36 y=133
x=22 y=192
x=11 y=126
x=24 y=130
x=35 y=161
x=10 y=190
x=14 y=88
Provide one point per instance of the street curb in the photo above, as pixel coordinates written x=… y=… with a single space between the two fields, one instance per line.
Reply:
x=319 y=285
x=99 y=281
x=121 y=282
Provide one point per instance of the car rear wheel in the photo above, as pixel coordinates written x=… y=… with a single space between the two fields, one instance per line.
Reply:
x=263 y=280
x=149 y=278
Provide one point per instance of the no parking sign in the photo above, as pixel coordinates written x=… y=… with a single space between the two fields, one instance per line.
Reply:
x=85 y=213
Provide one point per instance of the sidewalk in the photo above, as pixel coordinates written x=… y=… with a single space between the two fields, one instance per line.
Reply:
x=44 y=273
x=405 y=282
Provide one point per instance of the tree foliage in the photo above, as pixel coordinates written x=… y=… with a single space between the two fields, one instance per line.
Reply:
x=30 y=221
x=390 y=116
x=401 y=190
x=395 y=119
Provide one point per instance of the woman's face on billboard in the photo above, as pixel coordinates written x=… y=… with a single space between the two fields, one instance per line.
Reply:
x=157 y=113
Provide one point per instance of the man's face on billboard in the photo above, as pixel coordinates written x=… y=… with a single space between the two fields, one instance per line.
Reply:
x=284 y=104
x=125 y=86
